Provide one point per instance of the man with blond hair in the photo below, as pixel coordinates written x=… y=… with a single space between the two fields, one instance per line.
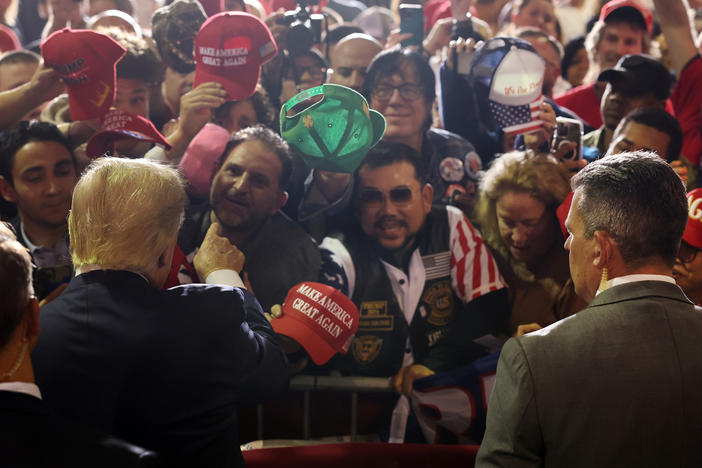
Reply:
x=162 y=368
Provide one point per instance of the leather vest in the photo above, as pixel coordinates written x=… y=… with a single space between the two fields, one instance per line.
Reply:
x=379 y=345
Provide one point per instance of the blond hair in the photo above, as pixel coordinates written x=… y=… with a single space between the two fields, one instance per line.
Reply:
x=124 y=214
x=539 y=175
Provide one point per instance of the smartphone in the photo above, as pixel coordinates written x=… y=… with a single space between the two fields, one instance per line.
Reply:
x=571 y=130
x=412 y=21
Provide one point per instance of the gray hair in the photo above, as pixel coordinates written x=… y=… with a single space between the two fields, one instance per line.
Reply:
x=639 y=200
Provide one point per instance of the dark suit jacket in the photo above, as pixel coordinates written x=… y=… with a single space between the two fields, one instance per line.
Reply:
x=32 y=436
x=162 y=369
x=617 y=384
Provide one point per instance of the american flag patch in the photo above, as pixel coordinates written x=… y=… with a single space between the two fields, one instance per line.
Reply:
x=437 y=265
x=515 y=120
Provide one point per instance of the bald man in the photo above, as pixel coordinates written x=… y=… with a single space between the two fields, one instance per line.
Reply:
x=351 y=58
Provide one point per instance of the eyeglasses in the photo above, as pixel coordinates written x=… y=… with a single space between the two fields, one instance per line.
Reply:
x=397 y=195
x=687 y=253
x=408 y=91
x=315 y=72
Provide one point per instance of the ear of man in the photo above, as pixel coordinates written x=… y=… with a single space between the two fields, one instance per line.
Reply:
x=7 y=191
x=605 y=251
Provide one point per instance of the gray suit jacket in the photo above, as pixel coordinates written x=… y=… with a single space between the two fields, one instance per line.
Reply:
x=617 y=384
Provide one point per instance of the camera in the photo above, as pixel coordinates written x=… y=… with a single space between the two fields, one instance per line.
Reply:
x=305 y=27
x=570 y=130
x=465 y=30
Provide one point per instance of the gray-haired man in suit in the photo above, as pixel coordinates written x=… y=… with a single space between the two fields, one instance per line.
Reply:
x=617 y=384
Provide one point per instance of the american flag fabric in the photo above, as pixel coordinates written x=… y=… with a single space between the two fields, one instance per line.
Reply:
x=515 y=120
x=473 y=270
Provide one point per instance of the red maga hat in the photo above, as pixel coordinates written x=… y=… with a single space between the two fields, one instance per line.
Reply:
x=86 y=61
x=320 y=318
x=230 y=49
x=118 y=125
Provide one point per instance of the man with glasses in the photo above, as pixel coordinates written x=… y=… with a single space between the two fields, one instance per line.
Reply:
x=307 y=70
x=401 y=85
x=687 y=270
x=424 y=282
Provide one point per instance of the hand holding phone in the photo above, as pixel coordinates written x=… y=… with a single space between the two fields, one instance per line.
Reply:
x=412 y=21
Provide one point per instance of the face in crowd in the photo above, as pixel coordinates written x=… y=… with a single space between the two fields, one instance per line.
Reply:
x=350 y=60
x=401 y=99
x=633 y=136
x=43 y=178
x=246 y=189
x=392 y=203
x=536 y=14
x=618 y=100
x=526 y=226
x=618 y=39
x=175 y=85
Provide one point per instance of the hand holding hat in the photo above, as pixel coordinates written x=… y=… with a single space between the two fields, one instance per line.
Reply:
x=86 y=62
x=335 y=131
x=230 y=49
x=320 y=318
x=196 y=106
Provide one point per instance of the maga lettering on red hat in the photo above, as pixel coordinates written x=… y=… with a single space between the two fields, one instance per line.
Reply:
x=693 y=229
x=320 y=318
x=119 y=125
x=230 y=49
x=86 y=62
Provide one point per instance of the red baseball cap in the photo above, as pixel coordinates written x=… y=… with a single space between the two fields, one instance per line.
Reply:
x=693 y=229
x=8 y=39
x=86 y=61
x=230 y=49
x=320 y=318
x=562 y=213
x=610 y=7
x=119 y=125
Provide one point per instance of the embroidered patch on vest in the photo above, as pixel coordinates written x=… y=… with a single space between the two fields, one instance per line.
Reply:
x=374 y=315
x=366 y=348
x=439 y=299
x=437 y=265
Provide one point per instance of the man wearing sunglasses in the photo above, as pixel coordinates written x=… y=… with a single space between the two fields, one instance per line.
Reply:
x=687 y=270
x=425 y=284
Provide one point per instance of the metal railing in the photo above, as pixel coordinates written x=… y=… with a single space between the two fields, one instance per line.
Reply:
x=312 y=383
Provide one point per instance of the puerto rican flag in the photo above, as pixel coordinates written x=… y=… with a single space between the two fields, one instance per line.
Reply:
x=516 y=120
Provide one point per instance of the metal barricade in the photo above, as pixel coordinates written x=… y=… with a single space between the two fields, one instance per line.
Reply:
x=351 y=385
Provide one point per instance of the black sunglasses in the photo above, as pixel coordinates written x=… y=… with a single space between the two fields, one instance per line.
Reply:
x=397 y=195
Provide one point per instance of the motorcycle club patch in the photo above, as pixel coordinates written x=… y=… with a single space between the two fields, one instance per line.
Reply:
x=374 y=315
x=365 y=349
x=439 y=299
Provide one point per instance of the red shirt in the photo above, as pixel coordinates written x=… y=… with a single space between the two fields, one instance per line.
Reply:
x=687 y=102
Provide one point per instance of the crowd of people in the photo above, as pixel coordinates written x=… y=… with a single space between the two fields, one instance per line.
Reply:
x=194 y=210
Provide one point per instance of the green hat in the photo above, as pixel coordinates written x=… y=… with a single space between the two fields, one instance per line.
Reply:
x=335 y=132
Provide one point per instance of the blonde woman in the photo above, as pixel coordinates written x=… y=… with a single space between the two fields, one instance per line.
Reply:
x=519 y=195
